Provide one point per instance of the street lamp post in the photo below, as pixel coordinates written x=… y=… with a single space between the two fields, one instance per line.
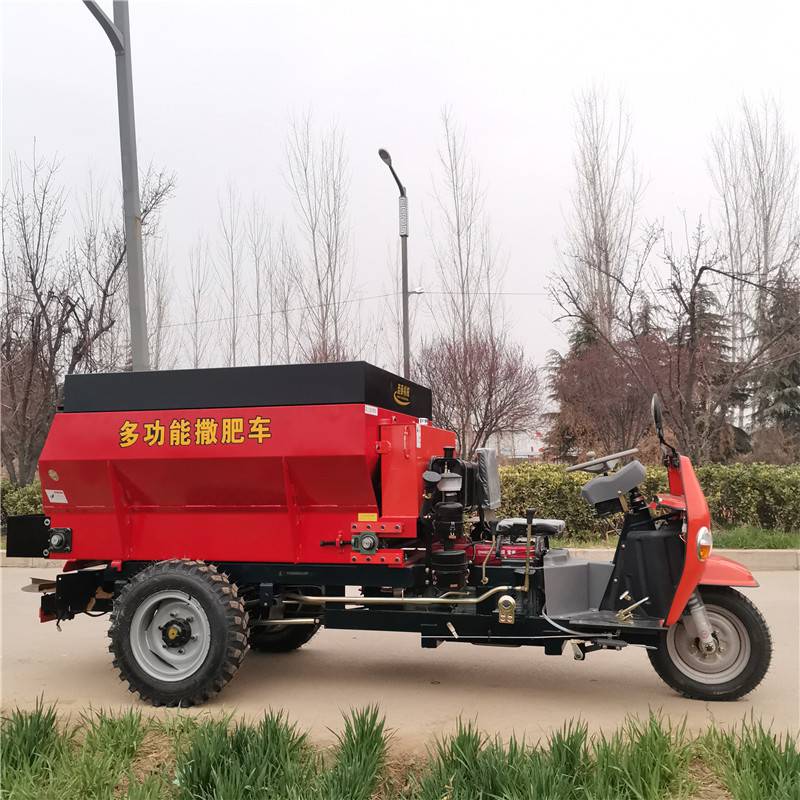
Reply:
x=387 y=159
x=119 y=35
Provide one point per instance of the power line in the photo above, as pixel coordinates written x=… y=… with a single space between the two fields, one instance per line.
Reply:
x=343 y=302
x=347 y=301
x=492 y=294
x=273 y=313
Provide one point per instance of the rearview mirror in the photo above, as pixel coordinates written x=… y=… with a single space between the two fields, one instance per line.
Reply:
x=658 y=415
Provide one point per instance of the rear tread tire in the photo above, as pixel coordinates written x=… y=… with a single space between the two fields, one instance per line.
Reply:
x=290 y=638
x=221 y=602
x=754 y=672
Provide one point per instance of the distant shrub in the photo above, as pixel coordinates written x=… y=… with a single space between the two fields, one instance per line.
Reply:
x=760 y=495
x=16 y=500
x=763 y=495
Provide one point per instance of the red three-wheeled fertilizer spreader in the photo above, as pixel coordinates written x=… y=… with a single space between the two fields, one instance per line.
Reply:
x=213 y=510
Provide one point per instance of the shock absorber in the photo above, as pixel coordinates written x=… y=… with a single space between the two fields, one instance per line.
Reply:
x=702 y=625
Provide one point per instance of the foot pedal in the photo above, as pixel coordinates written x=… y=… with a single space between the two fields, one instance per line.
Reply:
x=40 y=585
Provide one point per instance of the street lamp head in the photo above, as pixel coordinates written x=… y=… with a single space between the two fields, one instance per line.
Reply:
x=385 y=157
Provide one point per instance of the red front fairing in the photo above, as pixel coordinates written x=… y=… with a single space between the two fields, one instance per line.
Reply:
x=683 y=482
x=720 y=571
x=685 y=490
x=286 y=484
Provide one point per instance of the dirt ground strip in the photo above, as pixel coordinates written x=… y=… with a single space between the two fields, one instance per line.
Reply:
x=709 y=786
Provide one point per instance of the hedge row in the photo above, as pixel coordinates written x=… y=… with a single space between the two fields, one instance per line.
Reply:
x=761 y=495
x=16 y=500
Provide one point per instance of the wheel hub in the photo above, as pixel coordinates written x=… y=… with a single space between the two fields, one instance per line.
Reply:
x=709 y=648
x=170 y=635
x=176 y=633
x=721 y=660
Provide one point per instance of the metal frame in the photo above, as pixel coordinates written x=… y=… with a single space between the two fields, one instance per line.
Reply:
x=473 y=620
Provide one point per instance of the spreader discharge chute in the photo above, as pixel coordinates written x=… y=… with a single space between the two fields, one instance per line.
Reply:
x=209 y=511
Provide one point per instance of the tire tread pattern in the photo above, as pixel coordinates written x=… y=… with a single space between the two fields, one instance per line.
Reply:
x=755 y=671
x=291 y=638
x=237 y=622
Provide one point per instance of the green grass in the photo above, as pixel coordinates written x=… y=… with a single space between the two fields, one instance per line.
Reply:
x=272 y=760
x=260 y=761
x=749 y=538
x=41 y=761
x=101 y=756
x=642 y=761
x=738 y=538
x=30 y=743
x=753 y=762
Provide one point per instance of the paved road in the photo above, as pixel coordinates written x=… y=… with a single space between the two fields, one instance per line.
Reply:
x=421 y=691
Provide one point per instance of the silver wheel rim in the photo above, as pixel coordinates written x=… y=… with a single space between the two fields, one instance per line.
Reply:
x=153 y=650
x=729 y=659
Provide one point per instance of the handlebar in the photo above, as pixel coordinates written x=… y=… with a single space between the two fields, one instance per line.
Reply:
x=596 y=462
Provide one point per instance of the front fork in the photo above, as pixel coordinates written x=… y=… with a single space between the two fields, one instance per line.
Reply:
x=702 y=625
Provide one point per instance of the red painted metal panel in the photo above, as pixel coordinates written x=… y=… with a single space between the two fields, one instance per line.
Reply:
x=720 y=571
x=669 y=501
x=239 y=484
x=406 y=451
x=697 y=516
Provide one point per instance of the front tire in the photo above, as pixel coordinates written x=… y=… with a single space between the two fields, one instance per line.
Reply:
x=178 y=632
x=742 y=658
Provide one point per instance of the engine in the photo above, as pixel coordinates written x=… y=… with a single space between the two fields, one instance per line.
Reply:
x=454 y=490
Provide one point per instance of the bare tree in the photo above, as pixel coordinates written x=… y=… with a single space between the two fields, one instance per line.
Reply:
x=465 y=260
x=595 y=412
x=228 y=267
x=483 y=388
x=771 y=167
x=603 y=229
x=95 y=258
x=483 y=384
x=87 y=257
x=754 y=168
x=319 y=180
x=283 y=299
x=261 y=254
x=158 y=288
x=61 y=302
x=198 y=331
x=736 y=239
x=683 y=354
x=37 y=313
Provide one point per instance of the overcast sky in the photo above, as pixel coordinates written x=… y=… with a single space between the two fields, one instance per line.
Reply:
x=215 y=83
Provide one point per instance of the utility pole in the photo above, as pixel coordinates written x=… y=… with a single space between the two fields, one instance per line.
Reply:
x=387 y=159
x=119 y=34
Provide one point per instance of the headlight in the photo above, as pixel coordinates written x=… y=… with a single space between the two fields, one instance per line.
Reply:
x=705 y=543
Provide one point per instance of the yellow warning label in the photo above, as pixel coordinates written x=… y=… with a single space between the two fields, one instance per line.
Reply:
x=367 y=516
